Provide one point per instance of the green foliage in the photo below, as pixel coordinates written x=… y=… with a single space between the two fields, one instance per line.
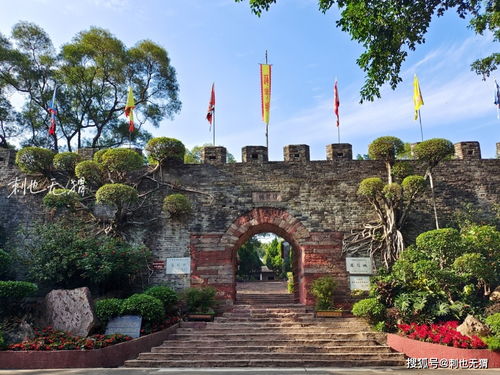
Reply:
x=493 y=322
x=121 y=160
x=199 y=300
x=17 y=289
x=388 y=30
x=475 y=266
x=385 y=148
x=493 y=342
x=442 y=245
x=249 y=261
x=66 y=254
x=371 y=187
x=322 y=289
x=380 y=326
x=370 y=309
x=90 y=171
x=108 y=308
x=290 y=284
x=163 y=149
x=272 y=257
x=177 y=205
x=117 y=195
x=413 y=185
x=166 y=295
x=5 y=263
x=66 y=162
x=392 y=192
x=33 y=160
x=402 y=169
x=433 y=151
x=61 y=198
x=149 y=307
x=98 y=155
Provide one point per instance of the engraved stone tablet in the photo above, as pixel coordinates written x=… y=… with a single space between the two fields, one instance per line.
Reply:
x=359 y=282
x=359 y=265
x=266 y=196
x=178 y=266
x=129 y=325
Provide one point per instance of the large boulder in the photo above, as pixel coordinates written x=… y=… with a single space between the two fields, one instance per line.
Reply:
x=70 y=311
x=473 y=327
x=495 y=295
x=15 y=332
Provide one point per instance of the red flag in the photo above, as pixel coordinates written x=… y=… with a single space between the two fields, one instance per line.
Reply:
x=53 y=113
x=211 y=105
x=336 y=102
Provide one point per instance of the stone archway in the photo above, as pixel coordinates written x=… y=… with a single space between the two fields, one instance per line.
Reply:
x=213 y=255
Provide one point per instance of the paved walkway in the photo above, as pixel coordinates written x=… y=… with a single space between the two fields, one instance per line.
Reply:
x=249 y=371
x=262 y=287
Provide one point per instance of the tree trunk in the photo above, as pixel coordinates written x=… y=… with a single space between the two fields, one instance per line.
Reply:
x=433 y=197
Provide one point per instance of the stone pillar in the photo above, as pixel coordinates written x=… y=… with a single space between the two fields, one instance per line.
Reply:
x=498 y=150
x=296 y=153
x=7 y=157
x=467 y=150
x=213 y=155
x=251 y=154
x=336 y=151
x=87 y=153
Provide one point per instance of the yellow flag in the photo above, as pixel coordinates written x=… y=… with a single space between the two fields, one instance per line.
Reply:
x=265 y=91
x=129 y=109
x=418 y=101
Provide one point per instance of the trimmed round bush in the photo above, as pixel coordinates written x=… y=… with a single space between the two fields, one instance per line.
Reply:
x=105 y=309
x=17 y=289
x=392 y=191
x=120 y=160
x=99 y=154
x=401 y=169
x=162 y=149
x=166 y=295
x=149 y=307
x=116 y=194
x=385 y=148
x=442 y=245
x=370 y=309
x=413 y=184
x=66 y=161
x=434 y=150
x=61 y=198
x=200 y=300
x=371 y=187
x=493 y=322
x=34 y=160
x=90 y=171
x=177 y=205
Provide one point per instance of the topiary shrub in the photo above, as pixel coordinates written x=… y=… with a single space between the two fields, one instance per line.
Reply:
x=166 y=295
x=162 y=149
x=17 y=289
x=61 y=198
x=493 y=322
x=66 y=162
x=371 y=187
x=90 y=171
x=34 y=160
x=121 y=160
x=442 y=245
x=177 y=205
x=322 y=289
x=99 y=154
x=200 y=300
x=149 y=307
x=116 y=194
x=402 y=169
x=434 y=150
x=370 y=309
x=385 y=148
x=413 y=185
x=105 y=309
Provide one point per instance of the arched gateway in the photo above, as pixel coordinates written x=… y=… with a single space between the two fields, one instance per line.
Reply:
x=214 y=260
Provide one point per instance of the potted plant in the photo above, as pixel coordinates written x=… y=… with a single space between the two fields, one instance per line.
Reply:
x=200 y=303
x=322 y=289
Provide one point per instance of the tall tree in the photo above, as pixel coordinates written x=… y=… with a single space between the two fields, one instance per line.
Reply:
x=389 y=29
x=92 y=74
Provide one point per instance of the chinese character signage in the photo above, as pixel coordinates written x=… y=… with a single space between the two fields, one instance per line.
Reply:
x=359 y=266
x=359 y=282
x=266 y=196
x=178 y=266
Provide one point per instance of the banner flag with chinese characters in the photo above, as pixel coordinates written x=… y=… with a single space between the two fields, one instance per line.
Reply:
x=129 y=109
x=418 y=101
x=336 y=102
x=265 y=91
x=53 y=113
x=211 y=106
x=497 y=98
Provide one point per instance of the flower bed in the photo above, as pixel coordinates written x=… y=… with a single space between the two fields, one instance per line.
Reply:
x=110 y=356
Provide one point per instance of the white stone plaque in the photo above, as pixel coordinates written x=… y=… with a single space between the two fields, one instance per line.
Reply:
x=178 y=266
x=359 y=282
x=359 y=265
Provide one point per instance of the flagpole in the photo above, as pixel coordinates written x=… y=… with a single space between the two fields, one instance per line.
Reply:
x=420 y=120
x=213 y=115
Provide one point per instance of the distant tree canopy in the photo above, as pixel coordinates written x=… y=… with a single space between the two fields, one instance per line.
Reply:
x=250 y=263
x=389 y=29
x=91 y=73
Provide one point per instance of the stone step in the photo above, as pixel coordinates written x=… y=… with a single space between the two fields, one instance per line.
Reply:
x=173 y=349
x=228 y=336
x=248 y=308
x=283 y=325
x=264 y=343
x=273 y=330
x=288 y=363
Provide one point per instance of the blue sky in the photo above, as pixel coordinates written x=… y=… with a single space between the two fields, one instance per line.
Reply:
x=223 y=42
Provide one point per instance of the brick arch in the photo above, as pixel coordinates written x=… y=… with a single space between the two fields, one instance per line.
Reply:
x=213 y=255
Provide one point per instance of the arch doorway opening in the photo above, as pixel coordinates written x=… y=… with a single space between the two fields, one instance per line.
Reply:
x=264 y=271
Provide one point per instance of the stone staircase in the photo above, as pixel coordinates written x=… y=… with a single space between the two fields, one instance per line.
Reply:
x=281 y=335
